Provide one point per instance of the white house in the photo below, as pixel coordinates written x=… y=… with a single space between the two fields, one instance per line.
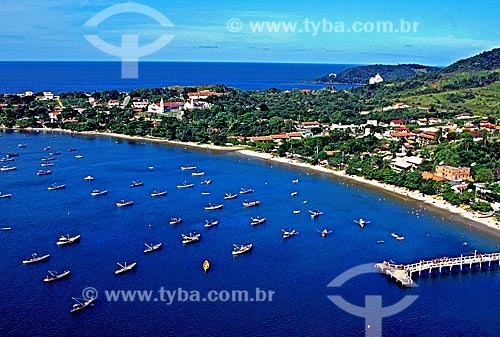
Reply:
x=376 y=79
x=47 y=96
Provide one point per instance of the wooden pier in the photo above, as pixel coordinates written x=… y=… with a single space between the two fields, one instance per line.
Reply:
x=403 y=273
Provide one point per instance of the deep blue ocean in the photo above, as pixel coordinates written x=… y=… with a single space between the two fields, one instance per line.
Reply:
x=18 y=77
x=298 y=270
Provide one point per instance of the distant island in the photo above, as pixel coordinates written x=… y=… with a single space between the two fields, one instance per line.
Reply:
x=376 y=74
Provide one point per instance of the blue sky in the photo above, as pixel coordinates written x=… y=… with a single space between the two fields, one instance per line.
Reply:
x=447 y=30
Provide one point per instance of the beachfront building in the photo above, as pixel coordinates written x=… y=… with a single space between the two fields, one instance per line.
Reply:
x=46 y=96
x=453 y=173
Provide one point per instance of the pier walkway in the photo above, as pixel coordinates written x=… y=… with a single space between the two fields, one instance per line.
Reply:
x=403 y=273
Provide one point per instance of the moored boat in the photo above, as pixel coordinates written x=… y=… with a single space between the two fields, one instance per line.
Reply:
x=361 y=222
x=246 y=190
x=188 y=168
x=54 y=276
x=198 y=173
x=210 y=223
x=82 y=303
x=67 y=240
x=46 y=164
x=295 y=181
x=241 y=249
x=315 y=214
x=8 y=195
x=397 y=237
x=229 y=196
x=56 y=187
x=293 y=194
x=14 y=154
x=325 y=232
x=296 y=211
x=4 y=160
x=185 y=185
x=88 y=178
x=289 y=233
x=257 y=221
x=6 y=229
x=211 y=207
x=21 y=146
x=192 y=237
x=158 y=193
x=206 y=182
x=48 y=159
x=7 y=168
x=43 y=172
x=251 y=203
x=36 y=258
x=56 y=153
x=151 y=248
x=206 y=266
x=136 y=183
x=78 y=156
x=124 y=267
x=96 y=193
x=175 y=221
x=123 y=203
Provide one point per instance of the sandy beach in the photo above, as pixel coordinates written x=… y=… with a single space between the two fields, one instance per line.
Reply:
x=471 y=218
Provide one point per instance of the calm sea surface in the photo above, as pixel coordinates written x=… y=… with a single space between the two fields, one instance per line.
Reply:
x=298 y=270
x=58 y=77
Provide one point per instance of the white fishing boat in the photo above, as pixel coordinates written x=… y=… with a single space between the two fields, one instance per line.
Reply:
x=175 y=221
x=198 y=173
x=56 y=153
x=295 y=181
x=315 y=214
x=246 y=190
x=185 y=185
x=257 y=221
x=35 y=258
x=7 y=168
x=43 y=172
x=4 y=160
x=293 y=194
x=361 y=222
x=81 y=304
x=324 y=232
x=21 y=146
x=211 y=207
x=6 y=229
x=296 y=211
x=67 y=240
x=54 y=276
x=289 y=233
x=124 y=267
x=78 y=156
x=211 y=223
x=56 y=187
x=229 y=196
x=206 y=182
x=251 y=203
x=8 y=195
x=123 y=203
x=88 y=178
x=151 y=248
x=205 y=193
x=136 y=183
x=96 y=193
x=188 y=168
x=397 y=237
x=186 y=239
x=158 y=193
x=46 y=164
x=241 y=249
x=48 y=159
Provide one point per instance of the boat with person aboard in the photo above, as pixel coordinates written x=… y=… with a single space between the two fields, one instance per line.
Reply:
x=158 y=193
x=151 y=248
x=43 y=172
x=175 y=221
x=211 y=207
x=185 y=185
x=289 y=233
x=246 y=190
x=124 y=267
x=241 y=249
x=56 y=187
x=211 y=223
x=251 y=203
x=36 y=258
x=229 y=196
x=81 y=304
x=315 y=214
x=191 y=238
x=123 y=203
x=67 y=240
x=96 y=193
x=257 y=221
x=361 y=222
x=54 y=276
x=324 y=232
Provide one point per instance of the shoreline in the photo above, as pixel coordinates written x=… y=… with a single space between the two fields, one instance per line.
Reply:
x=470 y=219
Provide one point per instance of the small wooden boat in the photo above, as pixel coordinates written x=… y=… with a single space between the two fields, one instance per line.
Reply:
x=205 y=193
x=43 y=172
x=82 y=304
x=257 y=221
x=56 y=187
x=188 y=168
x=211 y=223
x=88 y=178
x=48 y=159
x=293 y=194
x=296 y=211
x=212 y=207
x=185 y=185
x=230 y=196
x=379 y=242
x=56 y=153
x=241 y=249
x=186 y=239
x=71 y=150
x=123 y=203
x=206 y=266
x=14 y=154
x=325 y=232
x=67 y=240
x=137 y=183
x=158 y=193
x=46 y=148
x=198 y=173
x=361 y=222
x=289 y=233
x=125 y=268
x=4 y=160
x=8 y=195
x=251 y=203
x=78 y=156
x=96 y=193
x=175 y=221
x=295 y=181
x=21 y=146
x=6 y=229
x=397 y=237
x=8 y=168
x=246 y=190
x=54 y=276
x=35 y=258
x=46 y=164
x=206 y=182
x=315 y=214
x=151 y=248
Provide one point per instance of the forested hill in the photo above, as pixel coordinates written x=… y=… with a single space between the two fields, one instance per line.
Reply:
x=361 y=75
x=489 y=60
